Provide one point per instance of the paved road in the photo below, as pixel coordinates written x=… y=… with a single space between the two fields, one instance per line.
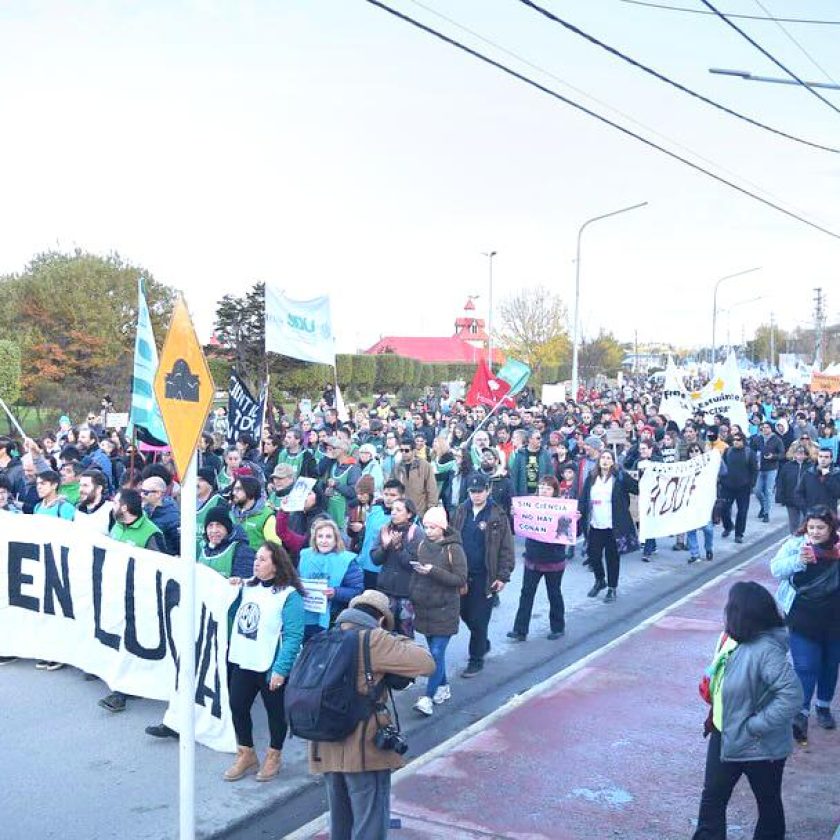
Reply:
x=611 y=747
x=107 y=779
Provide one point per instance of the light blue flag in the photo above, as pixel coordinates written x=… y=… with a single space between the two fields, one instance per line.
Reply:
x=145 y=418
x=516 y=374
x=301 y=329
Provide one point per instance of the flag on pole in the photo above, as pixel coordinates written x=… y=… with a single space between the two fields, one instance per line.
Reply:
x=515 y=374
x=487 y=389
x=723 y=394
x=144 y=417
x=301 y=329
x=245 y=414
x=675 y=404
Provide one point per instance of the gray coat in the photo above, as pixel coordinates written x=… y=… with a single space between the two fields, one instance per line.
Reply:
x=761 y=696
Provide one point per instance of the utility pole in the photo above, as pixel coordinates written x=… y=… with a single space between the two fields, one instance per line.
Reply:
x=772 y=340
x=819 y=326
x=635 y=351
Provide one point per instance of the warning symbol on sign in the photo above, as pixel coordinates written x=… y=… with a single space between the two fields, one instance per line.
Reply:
x=182 y=383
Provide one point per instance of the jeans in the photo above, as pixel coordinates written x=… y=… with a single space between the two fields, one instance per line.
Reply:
x=795 y=518
x=244 y=686
x=476 y=609
x=360 y=804
x=437 y=647
x=693 y=540
x=648 y=548
x=741 y=497
x=816 y=664
x=765 y=778
x=556 y=607
x=601 y=541
x=765 y=487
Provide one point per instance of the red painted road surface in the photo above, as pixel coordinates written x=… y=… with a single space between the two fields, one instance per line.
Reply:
x=611 y=750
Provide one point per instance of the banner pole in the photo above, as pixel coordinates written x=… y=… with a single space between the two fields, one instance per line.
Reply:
x=186 y=645
x=12 y=418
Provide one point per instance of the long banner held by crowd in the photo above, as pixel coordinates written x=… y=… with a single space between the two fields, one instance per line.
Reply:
x=245 y=414
x=678 y=497
x=545 y=519
x=69 y=595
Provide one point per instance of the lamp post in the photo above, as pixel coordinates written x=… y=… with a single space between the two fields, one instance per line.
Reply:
x=577 y=290
x=490 y=255
x=715 y=309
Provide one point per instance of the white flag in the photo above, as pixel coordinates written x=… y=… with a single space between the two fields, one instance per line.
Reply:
x=301 y=329
x=723 y=395
x=675 y=403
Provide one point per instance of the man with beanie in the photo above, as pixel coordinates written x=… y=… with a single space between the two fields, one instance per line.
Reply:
x=207 y=498
x=501 y=487
x=488 y=544
x=357 y=773
x=224 y=546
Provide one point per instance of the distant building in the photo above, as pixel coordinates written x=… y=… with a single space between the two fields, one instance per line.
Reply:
x=467 y=346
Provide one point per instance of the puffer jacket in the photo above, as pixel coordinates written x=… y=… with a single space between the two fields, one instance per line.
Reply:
x=395 y=560
x=435 y=596
x=761 y=696
x=389 y=654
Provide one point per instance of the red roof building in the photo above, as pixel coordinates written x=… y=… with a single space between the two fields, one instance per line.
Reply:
x=467 y=346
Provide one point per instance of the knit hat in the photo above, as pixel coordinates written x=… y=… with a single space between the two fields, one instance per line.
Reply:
x=368 y=448
x=219 y=513
x=209 y=475
x=366 y=485
x=436 y=516
x=594 y=441
x=377 y=600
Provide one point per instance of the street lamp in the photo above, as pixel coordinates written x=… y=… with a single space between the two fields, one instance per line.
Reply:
x=577 y=291
x=715 y=309
x=490 y=255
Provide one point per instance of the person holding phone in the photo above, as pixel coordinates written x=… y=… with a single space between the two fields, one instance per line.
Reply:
x=808 y=566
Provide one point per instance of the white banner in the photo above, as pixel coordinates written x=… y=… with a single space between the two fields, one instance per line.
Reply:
x=724 y=395
x=675 y=404
x=301 y=329
x=678 y=497
x=70 y=595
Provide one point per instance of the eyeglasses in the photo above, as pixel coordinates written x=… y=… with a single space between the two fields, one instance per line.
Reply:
x=405 y=449
x=148 y=492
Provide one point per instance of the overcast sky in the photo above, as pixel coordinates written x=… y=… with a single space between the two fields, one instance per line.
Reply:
x=324 y=147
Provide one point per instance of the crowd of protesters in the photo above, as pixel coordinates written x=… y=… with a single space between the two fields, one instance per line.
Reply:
x=416 y=503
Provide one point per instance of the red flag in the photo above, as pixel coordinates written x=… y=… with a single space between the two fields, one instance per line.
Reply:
x=487 y=389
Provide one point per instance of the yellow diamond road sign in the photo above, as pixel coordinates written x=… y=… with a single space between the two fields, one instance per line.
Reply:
x=183 y=387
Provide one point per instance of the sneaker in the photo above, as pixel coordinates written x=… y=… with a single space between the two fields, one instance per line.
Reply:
x=646 y=558
x=765 y=518
x=161 y=730
x=425 y=706
x=610 y=596
x=473 y=669
x=555 y=634
x=761 y=515
x=114 y=702
x=599 y=585
x=800 y=728
x=517 y=637
x=41 y=665
x=5 y=660
x=49 y=666
x=739 y=540
x=825 y=719
x=679 y=546
x=709 y=555
x=693 y=559
x=726 y=532
x=443 y=694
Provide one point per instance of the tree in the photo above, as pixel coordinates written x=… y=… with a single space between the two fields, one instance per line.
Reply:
x=603 y=354
x=9 y=371
x=240 y=329
x=74 y=317
x=759 y=348
x=534 y=328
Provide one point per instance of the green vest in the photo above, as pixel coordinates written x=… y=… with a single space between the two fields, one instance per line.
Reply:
x=253 y=526
x=70 y=492
x=138 y=533
x=223 y=480
x=200 y=518
x=294 y=461
x=222 y=562
x=337 y=504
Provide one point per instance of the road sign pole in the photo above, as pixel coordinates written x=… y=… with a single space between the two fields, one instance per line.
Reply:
x=186 y=646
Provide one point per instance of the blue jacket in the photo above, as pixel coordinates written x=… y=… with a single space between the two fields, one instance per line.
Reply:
x=377 y=517
x=168 y=518
x=97 y=459
x=292 y=638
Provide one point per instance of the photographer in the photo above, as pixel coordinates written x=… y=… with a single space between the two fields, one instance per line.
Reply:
x=357 y=772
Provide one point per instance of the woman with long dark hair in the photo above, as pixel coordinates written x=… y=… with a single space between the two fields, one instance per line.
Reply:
x=266 y=636
x=754 y=695
x=605 y=519
x=808 y=565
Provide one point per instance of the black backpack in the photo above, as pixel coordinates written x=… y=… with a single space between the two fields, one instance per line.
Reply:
x=322 y=703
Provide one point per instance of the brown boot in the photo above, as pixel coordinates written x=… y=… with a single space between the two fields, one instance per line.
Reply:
x=271 y=766
x=246 y=761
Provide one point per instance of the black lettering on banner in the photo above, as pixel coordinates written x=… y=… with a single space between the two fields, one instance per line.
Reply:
x=18 y=552
x=55 y=584
x=667 y=505
x=171 y=599
x=206 y=655
x=111 y=640
x=132 y=644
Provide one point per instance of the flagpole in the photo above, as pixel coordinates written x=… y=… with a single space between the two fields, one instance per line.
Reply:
x=12 y=418
x=486 y=418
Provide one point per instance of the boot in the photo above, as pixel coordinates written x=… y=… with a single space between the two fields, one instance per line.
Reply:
x=270 y=766
x=246 y=761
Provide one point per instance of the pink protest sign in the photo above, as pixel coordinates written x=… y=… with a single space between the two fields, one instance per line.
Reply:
x=546 y=519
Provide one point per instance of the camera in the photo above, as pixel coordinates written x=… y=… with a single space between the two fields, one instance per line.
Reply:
x=389 y=738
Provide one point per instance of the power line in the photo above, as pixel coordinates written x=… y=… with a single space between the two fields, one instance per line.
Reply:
x=798 y=46
x=772 y=58
x=740 y=17
x=651 y=72
x=533 y=83
x=592 y=98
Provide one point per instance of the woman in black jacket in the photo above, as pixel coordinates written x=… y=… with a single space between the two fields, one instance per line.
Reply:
x=790 y=474
x=605 y=519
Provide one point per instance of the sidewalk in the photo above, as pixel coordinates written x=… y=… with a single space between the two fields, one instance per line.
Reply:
x=611 y=747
